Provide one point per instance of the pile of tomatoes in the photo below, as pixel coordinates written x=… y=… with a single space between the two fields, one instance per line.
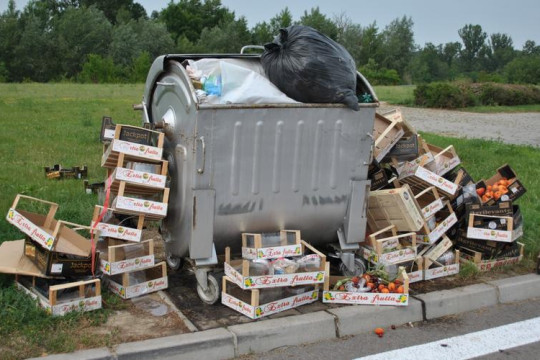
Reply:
x=494 y=191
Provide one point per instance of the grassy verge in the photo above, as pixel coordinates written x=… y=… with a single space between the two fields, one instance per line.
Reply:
x=44 y=124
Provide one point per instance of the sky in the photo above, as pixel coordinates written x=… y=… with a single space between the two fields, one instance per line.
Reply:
x=435 y=21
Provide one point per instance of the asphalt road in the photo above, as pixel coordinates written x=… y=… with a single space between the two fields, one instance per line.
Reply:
x=419 y=333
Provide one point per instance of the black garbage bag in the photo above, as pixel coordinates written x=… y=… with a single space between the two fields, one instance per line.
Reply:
x=310 y=67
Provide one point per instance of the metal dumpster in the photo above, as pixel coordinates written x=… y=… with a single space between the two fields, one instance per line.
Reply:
x=256 y=168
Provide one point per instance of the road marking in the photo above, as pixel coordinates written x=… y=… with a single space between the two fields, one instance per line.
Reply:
x=469 y=345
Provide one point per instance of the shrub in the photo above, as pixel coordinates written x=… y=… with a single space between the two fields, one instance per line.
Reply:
x=443 y=95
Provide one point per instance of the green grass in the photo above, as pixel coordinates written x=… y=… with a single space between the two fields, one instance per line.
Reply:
x=44 y=124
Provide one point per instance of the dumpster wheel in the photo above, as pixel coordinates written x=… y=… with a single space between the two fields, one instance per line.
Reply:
x=174 y=262
x=359 y=268
x=212 y=292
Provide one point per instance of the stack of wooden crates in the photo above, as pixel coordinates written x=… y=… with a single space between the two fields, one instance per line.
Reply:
x=135 y=192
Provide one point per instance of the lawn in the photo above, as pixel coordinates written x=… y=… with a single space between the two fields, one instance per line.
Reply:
x=47 y=124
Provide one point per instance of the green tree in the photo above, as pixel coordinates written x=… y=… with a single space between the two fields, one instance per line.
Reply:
x=98 y=69
x=429 y=65
x=349 y=35
x=524 y=69
x=530 y=48
x=10 y=35
x=116 y=10
x=371 y=45
x=502 y=51
x=140 y=67
x=473 y=38
x=77 y=33
x=320 y=22
x=227 y=38
x=398 y=45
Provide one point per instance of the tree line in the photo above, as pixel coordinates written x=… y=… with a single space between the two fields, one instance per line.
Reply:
x=116 y=41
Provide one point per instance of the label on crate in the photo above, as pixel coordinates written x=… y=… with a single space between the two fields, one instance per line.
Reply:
x=265 y=281
x=415 y=276
x=432 y=209
x=441 y=229
x=488 y=265
x=409 y=167
x=118 y=267
x=435 y=252
x=139 y=289
x=393 y=257
x=345 y=297
x=139 y=150
x=36 y=233
x=108 y=134
x=118 y=232
x=489 y=234
x=271 y=252
x=141 y=205
x=140 y=177
x=440 y=271
x=255 y=312
x=436 y=180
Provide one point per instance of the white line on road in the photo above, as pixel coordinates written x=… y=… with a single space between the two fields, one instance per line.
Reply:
x=469 y=345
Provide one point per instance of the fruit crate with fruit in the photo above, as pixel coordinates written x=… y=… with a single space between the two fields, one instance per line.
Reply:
x=117 y=257
x=60 y=298
x=388 y=248
x=503 y=186
x=139 y=282
x=286 y=243
x=484 y=263
x=386 y=134
x=264 y=273
x=373 y=288
x=257 y=303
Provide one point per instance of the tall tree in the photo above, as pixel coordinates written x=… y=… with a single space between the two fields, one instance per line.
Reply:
x=398 y=48
x=265 y=32
x=473 y=38
x=349 y=35
x=502 y=51
x=227 y=38
x=371 y=45
x=319 y=21
x=10 y=35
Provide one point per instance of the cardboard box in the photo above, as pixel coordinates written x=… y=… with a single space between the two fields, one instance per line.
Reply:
x=241 y=273
x=386 y=134
x=367 y=298
x=444 y=160
x=56 y=263
x=248 y=302
x=64 y=298
x=116 y=231
x=13 y=261
x=139 y=282
x=387 y=247
x=515 y=188
x=406 y=149
x=486 y=264
x=380 y=177
x=286 y=243
x=117 y=259
x=394 y=207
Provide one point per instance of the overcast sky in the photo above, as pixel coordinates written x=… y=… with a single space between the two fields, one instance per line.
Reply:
x=434 y=21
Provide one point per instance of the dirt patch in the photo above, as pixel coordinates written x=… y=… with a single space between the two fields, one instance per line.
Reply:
x=525 y=127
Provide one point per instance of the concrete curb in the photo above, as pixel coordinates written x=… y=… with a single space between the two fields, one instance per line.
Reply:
x=262 y=336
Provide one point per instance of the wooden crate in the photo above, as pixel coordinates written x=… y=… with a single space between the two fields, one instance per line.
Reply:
x=486 y=264
x=397 y=115
x=394 y=207
x=140 y=282
x=39 y=227
x=444 y=160
x=264 y=246
x=443 y=220
x=119 y=151
x=386 y=133
x=367 y=298
x=138 y=182
x=152 y=210
x=87 y=298
x=387 y=247
x=117 y=231
x=493 y=228
x=429 y=202
x=239 y=272
x=421 y=178
x=515 y=187
x=430 y=268
x=117 y=259
x=248 y=302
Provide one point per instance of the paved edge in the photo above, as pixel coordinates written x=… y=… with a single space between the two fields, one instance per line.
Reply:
x=262 y=336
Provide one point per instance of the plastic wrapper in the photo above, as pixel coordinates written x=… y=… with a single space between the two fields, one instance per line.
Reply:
x=260 y=267
x=309 y=263
x=284 y=266
x=310 y=67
